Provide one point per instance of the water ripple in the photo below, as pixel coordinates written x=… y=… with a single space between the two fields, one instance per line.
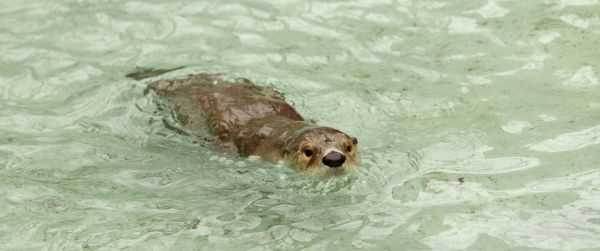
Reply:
x=569 y=141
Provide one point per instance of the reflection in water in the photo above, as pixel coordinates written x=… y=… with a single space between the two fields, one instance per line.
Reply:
x=477 y=123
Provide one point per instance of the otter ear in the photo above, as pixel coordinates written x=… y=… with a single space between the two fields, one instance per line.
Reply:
x=354 y=141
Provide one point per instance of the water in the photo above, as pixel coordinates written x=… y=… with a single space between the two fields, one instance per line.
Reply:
x=478 y=124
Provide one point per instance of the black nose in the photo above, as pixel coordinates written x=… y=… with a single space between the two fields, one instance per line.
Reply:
x=334 y=159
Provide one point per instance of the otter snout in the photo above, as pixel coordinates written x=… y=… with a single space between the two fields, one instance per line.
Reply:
x=334 y=159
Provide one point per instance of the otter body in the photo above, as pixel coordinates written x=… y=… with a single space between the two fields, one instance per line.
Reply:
x=257 y=121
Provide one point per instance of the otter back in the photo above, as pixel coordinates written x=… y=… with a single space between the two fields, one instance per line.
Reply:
x=225 y=107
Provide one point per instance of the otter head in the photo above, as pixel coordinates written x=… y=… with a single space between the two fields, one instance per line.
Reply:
x=321 y=150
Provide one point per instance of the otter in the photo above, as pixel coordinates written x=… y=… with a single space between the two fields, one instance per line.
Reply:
x=258 y=121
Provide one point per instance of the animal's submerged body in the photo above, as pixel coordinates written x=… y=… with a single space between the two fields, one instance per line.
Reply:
x=257 y=121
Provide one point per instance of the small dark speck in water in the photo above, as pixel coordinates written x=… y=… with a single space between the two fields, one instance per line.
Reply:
x=195 y=223
x=241 y=171
x=461 y=180
x=50 y=204
x=227 y=231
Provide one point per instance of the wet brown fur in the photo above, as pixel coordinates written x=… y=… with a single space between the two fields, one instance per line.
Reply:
x=255 y=119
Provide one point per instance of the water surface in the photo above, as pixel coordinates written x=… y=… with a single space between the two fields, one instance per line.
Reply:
x=478 y=124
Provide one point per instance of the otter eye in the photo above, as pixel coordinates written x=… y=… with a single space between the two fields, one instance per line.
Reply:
x=308 y=152
x=349 y=149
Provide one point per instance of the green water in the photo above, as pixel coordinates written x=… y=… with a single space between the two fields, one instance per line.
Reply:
x=503 y=94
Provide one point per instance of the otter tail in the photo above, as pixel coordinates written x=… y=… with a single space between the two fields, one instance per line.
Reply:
x=142 y=73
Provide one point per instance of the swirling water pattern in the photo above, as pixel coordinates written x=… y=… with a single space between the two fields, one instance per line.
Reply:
x=478 y=122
